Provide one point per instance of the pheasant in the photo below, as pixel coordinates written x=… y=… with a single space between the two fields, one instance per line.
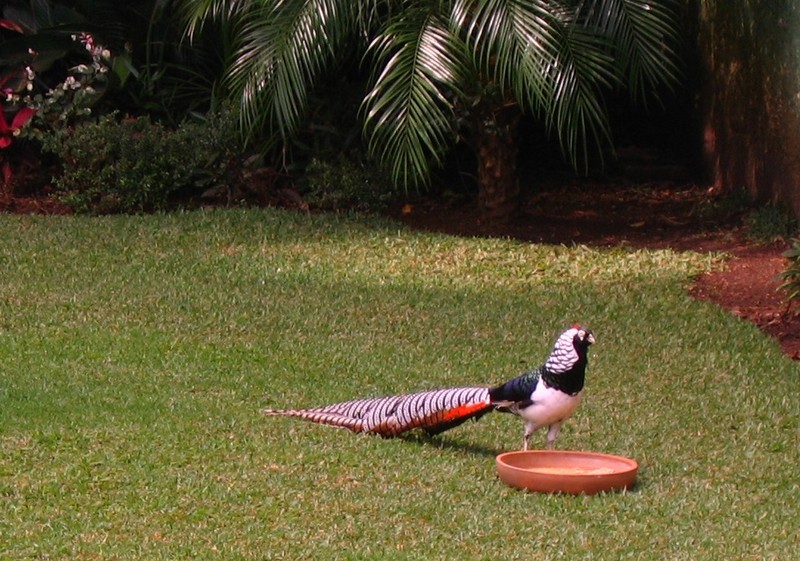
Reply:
x=544 y=397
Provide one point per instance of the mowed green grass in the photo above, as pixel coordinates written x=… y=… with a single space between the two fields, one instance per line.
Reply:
x=136 y=352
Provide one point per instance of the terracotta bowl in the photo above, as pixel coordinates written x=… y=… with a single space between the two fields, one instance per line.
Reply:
x=556 y=471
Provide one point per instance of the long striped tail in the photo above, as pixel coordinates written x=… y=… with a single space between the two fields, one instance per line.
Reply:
x=432 y=411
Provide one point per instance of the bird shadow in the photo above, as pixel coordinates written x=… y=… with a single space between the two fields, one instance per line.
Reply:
x=422 y=439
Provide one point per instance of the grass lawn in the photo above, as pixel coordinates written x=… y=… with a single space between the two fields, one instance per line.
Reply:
x=136 y=352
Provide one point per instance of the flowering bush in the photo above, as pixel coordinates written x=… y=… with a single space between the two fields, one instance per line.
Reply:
x=106 y=164
x=67 y=101
x=31 y=109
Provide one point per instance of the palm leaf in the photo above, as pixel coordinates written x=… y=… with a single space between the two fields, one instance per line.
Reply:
x=514 y=42
x=552 y=65
x=576 y=111
x=409 y=116
x=644 y=35
x=282 y=47
x=197 y=12
x=552 y=57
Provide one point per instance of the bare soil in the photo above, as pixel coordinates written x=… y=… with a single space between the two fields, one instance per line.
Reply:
x=680 y=217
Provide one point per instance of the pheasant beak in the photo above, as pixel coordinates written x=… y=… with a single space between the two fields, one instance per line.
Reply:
x=586 y=336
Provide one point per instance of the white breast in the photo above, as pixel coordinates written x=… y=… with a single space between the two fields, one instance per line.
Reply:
x=550 y=406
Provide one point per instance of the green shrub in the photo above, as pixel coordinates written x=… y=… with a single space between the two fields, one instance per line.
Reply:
x=791 y=274
x=345 y=184
x=719 y=208
x=770 y=222
x=132 y=165
x=225 y=165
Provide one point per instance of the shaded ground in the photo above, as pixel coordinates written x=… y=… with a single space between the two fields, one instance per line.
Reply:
x=682 y=217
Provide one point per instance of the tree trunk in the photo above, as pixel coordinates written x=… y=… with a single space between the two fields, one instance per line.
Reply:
x=494 y=137
x=751 y=53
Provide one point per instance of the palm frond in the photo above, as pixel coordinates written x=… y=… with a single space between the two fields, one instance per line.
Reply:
x=644 y=35
x=283 y=46
x=552 y=65
x=409 y=115
x=514 y=41
x=197 y=12
x=576 y=111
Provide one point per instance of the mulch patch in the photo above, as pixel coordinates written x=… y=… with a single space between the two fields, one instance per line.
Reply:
x=749 y=288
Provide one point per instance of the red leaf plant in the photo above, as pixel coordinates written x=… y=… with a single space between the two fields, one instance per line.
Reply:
x=7 y=132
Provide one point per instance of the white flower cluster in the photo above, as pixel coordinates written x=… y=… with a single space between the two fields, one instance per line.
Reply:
x=74 y=96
